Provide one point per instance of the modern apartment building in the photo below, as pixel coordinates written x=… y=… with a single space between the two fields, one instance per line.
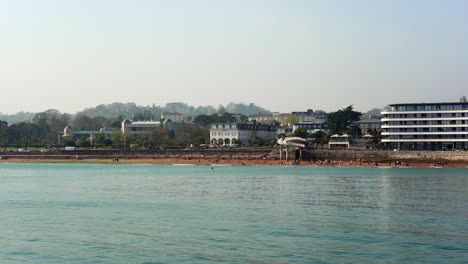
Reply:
x=426 y=126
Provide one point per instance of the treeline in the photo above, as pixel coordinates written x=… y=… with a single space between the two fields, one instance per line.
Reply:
x=45 y=128
x=128 y=110
x=159 y=138
x=138 y=112
x=40 y=132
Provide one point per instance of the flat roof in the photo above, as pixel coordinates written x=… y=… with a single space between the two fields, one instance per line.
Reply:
x=444 y=103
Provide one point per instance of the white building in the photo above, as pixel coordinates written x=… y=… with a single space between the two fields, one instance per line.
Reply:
x=430 y=126
x=234 y=133
x=139 y=127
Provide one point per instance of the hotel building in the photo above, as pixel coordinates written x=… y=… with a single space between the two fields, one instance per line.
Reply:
x=426 y=126
x=234 y=133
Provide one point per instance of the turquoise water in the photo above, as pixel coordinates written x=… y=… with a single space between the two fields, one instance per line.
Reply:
x=80 y=213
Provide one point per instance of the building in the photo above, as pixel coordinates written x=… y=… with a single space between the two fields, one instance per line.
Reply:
x=369 y=124
x=70 y=134
x=147 y=127
x=337 y=141
x=173 y=116
x=311 y=127
x=234 y=133
x=274 y=117
x=139 y=127
x=284 y=131
x=426 y=126
x=308 y=117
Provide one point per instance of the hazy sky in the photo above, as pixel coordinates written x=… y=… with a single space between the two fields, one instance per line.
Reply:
x=283 y=55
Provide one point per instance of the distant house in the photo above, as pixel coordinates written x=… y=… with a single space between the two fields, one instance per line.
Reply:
x=308 y=117
x=302 y=117
x=369 y=124
x=147 y=127
x=269 y=118
x=311 y=127
x=340 y=141
x=287 y=131
x=233 y=133
x=139 y=127
x=70 y=134
x=173 y=116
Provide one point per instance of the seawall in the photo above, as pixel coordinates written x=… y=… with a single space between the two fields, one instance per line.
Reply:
x=389 y=156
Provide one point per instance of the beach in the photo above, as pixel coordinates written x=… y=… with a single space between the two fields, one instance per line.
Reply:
x=232 y=162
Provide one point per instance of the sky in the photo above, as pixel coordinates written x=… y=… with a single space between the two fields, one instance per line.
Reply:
x=284 y=55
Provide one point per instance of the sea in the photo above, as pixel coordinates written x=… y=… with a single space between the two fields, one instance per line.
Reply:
x=117 y=213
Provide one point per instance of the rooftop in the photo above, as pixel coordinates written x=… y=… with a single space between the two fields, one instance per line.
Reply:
x=423 y=104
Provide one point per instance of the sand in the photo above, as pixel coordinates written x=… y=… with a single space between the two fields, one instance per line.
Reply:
x=252 y=162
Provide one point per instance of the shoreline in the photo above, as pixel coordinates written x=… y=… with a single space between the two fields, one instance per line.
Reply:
x=222 y=162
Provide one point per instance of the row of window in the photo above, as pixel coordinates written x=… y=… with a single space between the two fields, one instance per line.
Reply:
x=224 y=126
x=430 y=122
x=430 y=107
x=224 y=134
x=426 y=137
x=427 y=129
x=431 y=115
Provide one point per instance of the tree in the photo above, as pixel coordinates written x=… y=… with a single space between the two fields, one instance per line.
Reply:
x=190 y=134
x=354 y=131
x=144 y=115
x=290 y=120
x=221 y=110
x=160 y=137
x=319 y=137
x=202 y=120
x=82 y=142
x=50 y=122
x=116 y=122
x=26 y=134
x=84 y=122
x=3 y=134
x=69 y=143
x=300 y=132
x=341 y=120
x=252 y=136
x=117 y=138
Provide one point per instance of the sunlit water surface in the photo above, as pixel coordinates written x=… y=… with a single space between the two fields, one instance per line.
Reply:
x=78 y=213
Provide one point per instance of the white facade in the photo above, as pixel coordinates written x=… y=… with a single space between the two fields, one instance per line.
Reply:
x=233 y=133
x=140 y=127
x=434 y=126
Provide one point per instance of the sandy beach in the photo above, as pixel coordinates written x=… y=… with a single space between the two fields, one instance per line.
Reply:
x=240 y=162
